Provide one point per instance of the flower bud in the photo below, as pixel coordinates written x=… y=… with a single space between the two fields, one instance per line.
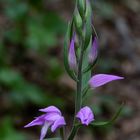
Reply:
x=82 y=7
x=78 y=21
x=85 y=115
x=88 y=9
x=71 y=55
x=93 y=51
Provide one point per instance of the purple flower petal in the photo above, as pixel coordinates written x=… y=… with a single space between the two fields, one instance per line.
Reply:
x=58 y=123
x=38 y=121
x=85 y=115
x=50 y=109
x=71 y=56
x=44 y=130
x=52 y=117
x=102 y=79
x=93 y=51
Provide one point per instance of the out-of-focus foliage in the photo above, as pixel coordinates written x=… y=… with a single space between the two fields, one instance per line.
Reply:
x=8 y=132
x=28 y=28
x=31 y=27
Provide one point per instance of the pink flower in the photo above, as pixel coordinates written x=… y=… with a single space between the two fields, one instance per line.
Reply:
x=85 y=115
x=52 y=118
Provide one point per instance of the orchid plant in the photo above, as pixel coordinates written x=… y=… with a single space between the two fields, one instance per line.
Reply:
x=80 y=56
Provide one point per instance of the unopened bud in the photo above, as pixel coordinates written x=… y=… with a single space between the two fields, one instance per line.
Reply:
x=78 y=21
x=82 y=7
x=93 y=51
x=88 y=9
x=72 y=56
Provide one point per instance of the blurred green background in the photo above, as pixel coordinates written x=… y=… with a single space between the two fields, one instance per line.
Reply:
x=32 y=74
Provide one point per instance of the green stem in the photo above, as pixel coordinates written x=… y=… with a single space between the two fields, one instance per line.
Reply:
x=78 y=98
x=78 y=101
x=62 y=133
x=73 y=132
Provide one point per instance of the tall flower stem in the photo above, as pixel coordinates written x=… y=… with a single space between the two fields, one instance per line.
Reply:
x=62 y=133
x=78 y=98
x=78 y=101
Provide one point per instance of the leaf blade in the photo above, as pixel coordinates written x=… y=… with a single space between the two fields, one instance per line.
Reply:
x=111 y=121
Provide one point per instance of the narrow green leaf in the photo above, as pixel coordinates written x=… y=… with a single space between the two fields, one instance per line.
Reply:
x=104 y=123
x=90 y=66
x=100 y=123
x=94 y=31
x=65 y=51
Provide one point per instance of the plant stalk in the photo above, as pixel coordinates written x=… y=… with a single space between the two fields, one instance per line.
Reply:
x=62 y=133
x=78 y=101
